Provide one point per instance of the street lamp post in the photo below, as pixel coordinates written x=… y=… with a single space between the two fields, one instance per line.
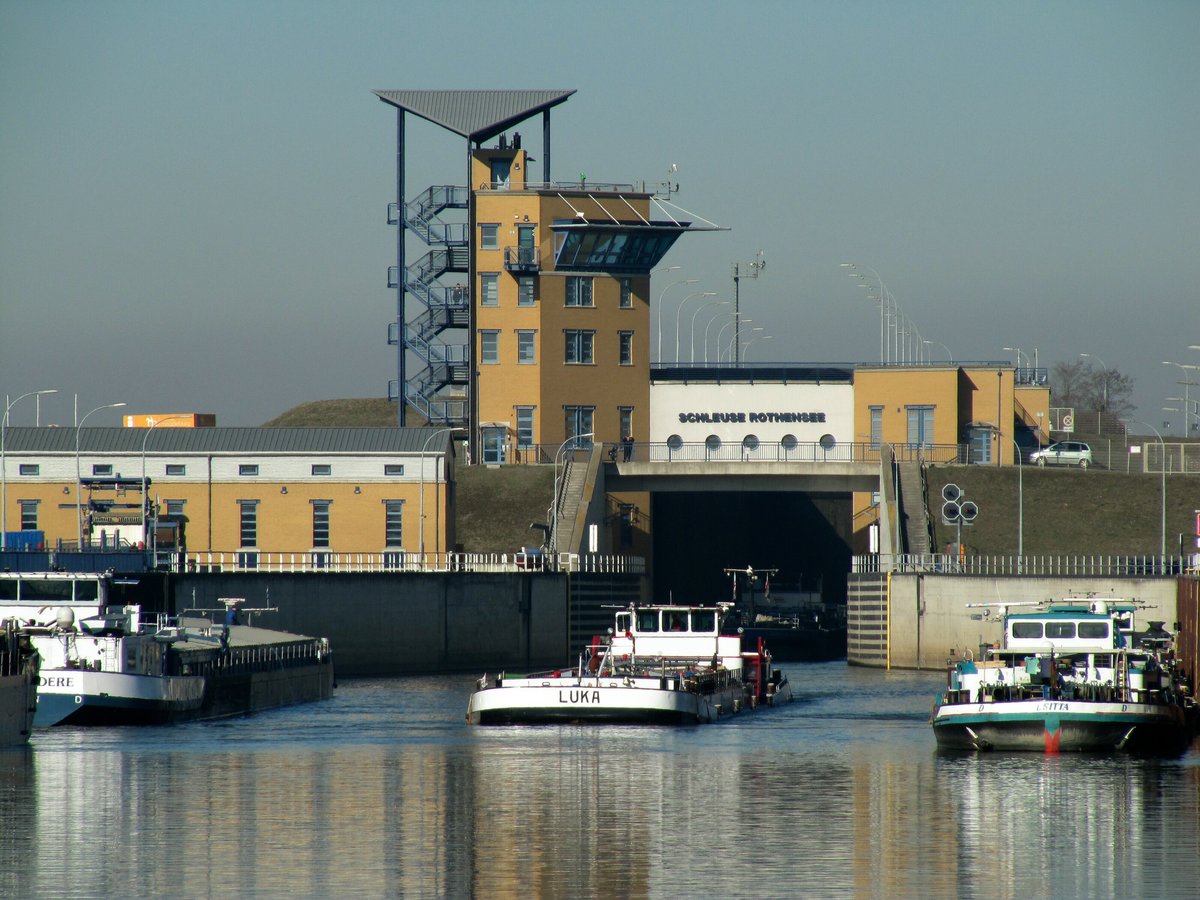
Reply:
x=679 y=310
x=554 y=506
x=424 y=447
x=692 y=336
x=1183 y=367
x=949 y=355
x=79 y=477
x=759 y=337
x=706 y=329
x=3 y=465
x=1104 y=377
x=1162 y=464
x=728 y=346
x=1020 y=507
x=660 y=309
x=153 y=424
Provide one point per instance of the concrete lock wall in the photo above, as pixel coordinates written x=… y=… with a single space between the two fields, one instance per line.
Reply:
x=928 y=615
x=390 y=624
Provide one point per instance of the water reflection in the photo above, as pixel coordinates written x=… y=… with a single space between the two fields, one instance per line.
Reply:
x=386 y=792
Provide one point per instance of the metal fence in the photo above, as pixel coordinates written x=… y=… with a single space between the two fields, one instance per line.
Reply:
x=400 y=561
x=1099 y=566
x=785 y=451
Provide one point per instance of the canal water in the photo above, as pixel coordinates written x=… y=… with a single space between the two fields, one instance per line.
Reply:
x=384 y=791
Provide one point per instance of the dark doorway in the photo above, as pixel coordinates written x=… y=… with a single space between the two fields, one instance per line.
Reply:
x=699 y=535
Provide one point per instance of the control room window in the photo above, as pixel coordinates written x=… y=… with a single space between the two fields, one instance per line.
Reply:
x=29 y=514
x=320 y=509
x=489 y=289
x=248 y=469
x=489 y=347
x=579 y=347
x=525 y=348
x=176 y=469
x=322 y=469
x=393 y=520
x=104 y=469
x=393 y=470
x=626 y=338
x=526 y=291
x=579 y=290
x=248 y=526
x=626 y=293
x=489 y=237
x=29 y=469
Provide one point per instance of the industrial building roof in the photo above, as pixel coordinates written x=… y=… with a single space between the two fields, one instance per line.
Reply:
x=53 y=439
x=476 y=115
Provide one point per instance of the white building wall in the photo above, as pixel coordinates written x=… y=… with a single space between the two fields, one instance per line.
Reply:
x=769 y=411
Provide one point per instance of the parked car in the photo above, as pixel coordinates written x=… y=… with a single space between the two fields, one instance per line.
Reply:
x=1064 y=453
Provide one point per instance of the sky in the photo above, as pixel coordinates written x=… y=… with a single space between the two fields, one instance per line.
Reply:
x=194 y=194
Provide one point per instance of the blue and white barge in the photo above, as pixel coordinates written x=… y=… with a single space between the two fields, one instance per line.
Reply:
x=1070 y=676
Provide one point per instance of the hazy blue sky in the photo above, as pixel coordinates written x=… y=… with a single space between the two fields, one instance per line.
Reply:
x=194 y=194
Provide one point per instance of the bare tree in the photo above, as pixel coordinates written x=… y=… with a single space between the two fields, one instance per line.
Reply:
x=1082 y=385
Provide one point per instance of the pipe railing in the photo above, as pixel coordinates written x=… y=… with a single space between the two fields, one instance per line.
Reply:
x=314 y=561
x=1100 y=565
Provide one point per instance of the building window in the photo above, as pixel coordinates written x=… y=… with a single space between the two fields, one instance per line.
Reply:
x=525 y=426
x=579 y=290
x=320 y=510
x=174 y=507
x=248 y=469
x=625 y=415
x=29 y=514
x=526 y=291
x=525 y=348
x=920 y=426
x=176 y=469
x=322 y=469
x=579 y=347
x=29 y=469
x=579 y=422
x=626 y=293
x=489 y=289
x=626 y=348
x=249 y=523
x=104 y=469
x=393 y=521
x=393 y=470
x=876 y=426
x=489 y=347
x=489 y=237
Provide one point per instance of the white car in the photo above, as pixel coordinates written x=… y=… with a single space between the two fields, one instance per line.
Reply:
x=1064 y=453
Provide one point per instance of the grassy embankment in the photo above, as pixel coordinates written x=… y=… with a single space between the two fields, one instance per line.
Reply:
x=1097 y=512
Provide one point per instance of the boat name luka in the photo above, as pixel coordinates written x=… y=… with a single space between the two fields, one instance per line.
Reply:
x=578 y=696
x=694 y=417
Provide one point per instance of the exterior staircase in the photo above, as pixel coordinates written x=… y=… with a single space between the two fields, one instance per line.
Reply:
x=437 y=388
x=914 y=513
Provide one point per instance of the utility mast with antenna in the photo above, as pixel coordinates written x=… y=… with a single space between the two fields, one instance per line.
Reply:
x=755 y=267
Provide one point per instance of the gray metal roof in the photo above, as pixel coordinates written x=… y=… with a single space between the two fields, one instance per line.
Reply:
x=476 y=115
x=225 y=440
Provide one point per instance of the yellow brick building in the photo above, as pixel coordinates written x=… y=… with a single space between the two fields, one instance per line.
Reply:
x=300 y=491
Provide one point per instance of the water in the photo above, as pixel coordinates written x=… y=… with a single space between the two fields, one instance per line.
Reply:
x=385 y=791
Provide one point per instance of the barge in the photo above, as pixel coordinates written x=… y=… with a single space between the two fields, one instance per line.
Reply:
x=1070 y=676
x=108 y=664
x=671 y=665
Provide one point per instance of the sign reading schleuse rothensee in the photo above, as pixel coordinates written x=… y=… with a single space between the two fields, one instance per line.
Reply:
x=768 y=411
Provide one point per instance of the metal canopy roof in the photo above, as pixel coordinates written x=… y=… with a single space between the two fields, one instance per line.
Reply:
x=476 y=115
